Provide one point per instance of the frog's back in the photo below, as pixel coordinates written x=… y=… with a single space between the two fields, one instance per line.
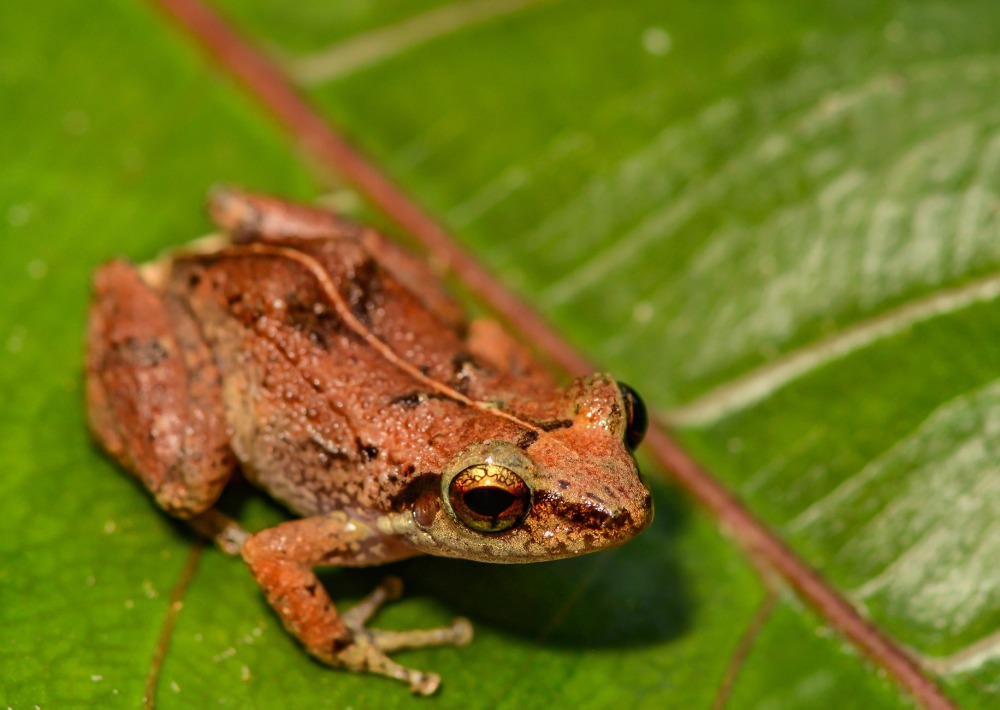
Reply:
x=320 y=414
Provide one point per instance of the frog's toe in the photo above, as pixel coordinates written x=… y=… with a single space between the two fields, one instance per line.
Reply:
x=425 y=683
x=458 y=633
x=364 y=655
x=370 y=647
x=389 y=589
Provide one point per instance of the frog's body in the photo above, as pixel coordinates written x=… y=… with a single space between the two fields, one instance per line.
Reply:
x=329 y=366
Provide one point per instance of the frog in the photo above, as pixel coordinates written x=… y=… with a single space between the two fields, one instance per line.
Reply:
x=329 y=367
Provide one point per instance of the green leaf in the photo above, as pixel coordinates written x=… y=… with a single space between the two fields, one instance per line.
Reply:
x=785 y=227
x=691 y=193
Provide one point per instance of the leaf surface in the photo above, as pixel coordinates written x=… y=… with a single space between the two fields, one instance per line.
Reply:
x=690 y=206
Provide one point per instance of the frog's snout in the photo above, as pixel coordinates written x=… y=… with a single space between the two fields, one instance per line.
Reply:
x=634 y=518
x=646 y=517
x=637 y=510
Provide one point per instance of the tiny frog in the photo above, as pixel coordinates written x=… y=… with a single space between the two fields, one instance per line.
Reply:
x=331 y=369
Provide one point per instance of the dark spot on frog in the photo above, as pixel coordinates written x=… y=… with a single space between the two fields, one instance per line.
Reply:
x=555 y=424
x=410 y=400
x=368 y=452
x=248 y=228
x=583 y=516
x=424 y=482
x=364 y=286
x=318 y=323
x=527 y=439
x=194 y=280
x=563 y=483
x=142 y=352
x=462 y=363
x=327 y=457
x=464 y=367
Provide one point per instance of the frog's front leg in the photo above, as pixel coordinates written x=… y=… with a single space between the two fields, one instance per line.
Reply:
x=283 y=559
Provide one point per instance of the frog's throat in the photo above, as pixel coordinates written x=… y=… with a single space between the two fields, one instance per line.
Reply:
x=342 y=309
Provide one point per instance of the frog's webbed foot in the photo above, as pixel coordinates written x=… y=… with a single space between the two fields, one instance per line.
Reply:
x=369 y=648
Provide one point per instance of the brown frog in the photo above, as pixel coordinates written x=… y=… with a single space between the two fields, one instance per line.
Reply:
x=329 y=366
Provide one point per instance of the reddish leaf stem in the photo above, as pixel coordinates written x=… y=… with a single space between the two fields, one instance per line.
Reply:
x=273 y=89
x=745 y=644
x=174 y=605
x=763 y=545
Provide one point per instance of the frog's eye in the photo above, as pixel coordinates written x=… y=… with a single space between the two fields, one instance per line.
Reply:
x=637 y=421
x=489 y=497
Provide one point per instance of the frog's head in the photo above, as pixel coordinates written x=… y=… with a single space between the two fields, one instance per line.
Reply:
x=553 y=489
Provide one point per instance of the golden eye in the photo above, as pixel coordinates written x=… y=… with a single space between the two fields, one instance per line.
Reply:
x=488 y=497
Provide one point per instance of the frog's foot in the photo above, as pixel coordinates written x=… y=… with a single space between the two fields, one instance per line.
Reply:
x=369 y=647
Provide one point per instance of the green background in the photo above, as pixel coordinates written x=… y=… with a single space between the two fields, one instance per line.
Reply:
x=699 y=196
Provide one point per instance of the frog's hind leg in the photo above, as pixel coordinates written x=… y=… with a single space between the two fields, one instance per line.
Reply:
x=490 y=341
x=154 y=393
x=247 y=217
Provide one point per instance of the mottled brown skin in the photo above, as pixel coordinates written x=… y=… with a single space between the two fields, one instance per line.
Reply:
x=331 y=368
